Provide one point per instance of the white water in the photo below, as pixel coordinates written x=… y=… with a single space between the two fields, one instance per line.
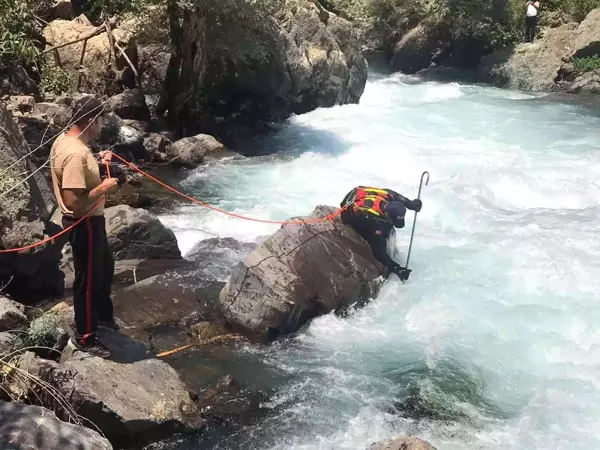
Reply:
x=500 y=321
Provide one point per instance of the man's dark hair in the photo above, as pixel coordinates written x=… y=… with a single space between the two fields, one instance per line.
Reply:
x=85 y=109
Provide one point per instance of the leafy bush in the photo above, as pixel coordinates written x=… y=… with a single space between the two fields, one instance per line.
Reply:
x=577 y=10
x=583 y=65
x=19 y=31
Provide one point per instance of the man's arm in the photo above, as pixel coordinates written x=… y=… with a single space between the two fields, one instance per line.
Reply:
x=74 y=190
x=413 y=205
x=77 y=199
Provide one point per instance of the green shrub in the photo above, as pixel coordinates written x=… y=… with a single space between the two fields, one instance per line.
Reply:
x=55 y=80
x=19 y=31
x=583 y=65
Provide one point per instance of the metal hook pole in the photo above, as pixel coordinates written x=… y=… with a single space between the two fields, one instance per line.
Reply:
x=412 y=234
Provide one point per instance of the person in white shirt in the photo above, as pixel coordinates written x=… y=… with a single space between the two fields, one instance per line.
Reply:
x=531 y=20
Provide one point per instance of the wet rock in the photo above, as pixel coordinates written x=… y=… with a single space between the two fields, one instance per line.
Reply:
x=28 y=427
x=230 y=404
x=156 y=145
x=11 y=315
x=403 y=443
x=204 y=331
x=278 y=287
x=136 y=234
x=130 y=105
x=190 y=152
x=414 y=50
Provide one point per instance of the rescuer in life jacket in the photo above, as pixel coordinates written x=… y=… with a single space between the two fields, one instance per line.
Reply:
x=373 y=213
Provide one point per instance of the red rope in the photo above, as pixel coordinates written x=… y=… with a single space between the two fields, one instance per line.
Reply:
x=181 y=194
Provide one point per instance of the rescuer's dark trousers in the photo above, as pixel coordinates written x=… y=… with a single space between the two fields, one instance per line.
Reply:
x=94 y=271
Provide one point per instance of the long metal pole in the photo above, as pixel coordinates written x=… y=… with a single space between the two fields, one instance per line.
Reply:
x=412 y=234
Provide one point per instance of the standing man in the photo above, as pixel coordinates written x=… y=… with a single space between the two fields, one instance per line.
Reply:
x=531 y=20
x=80 y=192
x=373 y=213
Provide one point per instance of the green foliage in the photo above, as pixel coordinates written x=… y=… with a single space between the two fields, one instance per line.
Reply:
x=55 y=80
x=41 y=332
x=18 y=31
x=576 y=10
x=583 y=65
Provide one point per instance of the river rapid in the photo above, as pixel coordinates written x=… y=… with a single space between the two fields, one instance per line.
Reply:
x=494 y=342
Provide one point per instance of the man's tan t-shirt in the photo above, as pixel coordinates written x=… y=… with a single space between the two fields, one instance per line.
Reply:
x=74 y=167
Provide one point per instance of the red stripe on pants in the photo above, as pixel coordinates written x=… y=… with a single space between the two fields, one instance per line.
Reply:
x=88 y=292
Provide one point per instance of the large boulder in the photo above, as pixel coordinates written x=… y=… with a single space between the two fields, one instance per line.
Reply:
x=191 y=151
x=402 y=443
x=531 y=67
x=98 y=63
x=132 y=402
x=299 y=59
x=300 y=272
x=26 y=202
x=414 y=50
x=28 y=427
x=587 y=38
x=136 y=234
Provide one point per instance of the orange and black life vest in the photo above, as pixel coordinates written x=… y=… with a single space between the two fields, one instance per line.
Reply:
x=371 y=201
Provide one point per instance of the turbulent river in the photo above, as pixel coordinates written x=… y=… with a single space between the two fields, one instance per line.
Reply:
x=494 y=342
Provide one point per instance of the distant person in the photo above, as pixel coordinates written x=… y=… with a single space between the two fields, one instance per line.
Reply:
x=80 y=192
x=373 y=213
x=531 y=20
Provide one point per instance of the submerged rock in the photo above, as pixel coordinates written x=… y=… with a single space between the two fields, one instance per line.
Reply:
x=403 y=443
x=28 y=427
x=300 y=272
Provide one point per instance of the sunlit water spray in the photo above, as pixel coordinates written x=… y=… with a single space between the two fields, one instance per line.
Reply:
x=494 y=342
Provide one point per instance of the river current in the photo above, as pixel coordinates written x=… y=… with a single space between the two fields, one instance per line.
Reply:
x=494 y=342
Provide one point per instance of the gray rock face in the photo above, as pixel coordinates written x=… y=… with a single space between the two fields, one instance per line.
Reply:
x=24 y=427
x=131 y=402
x=300 y=272
x=136 y=234
x=23 y=211
x=11 y=315
x=300 y=59
x=403 y=443
x=190 y=152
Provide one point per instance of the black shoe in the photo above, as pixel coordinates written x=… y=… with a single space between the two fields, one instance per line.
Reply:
x=92 y=346
x=109 y=325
